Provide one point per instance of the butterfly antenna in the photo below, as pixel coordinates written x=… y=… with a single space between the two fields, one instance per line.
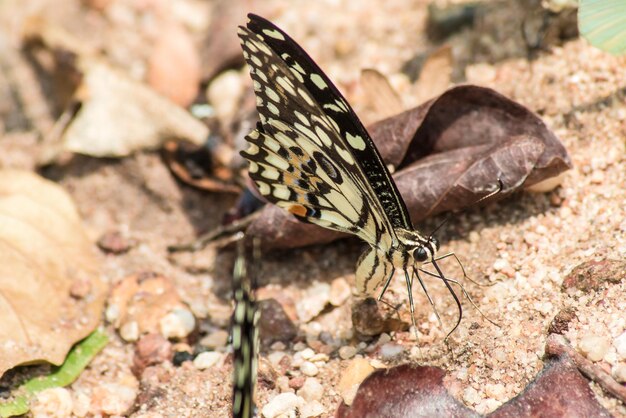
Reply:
x=432 y=304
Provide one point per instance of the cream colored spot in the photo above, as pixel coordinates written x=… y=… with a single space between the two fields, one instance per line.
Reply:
x=272 y=108
x=271 y=144
x=321 y=133
x=347 y=157
x=252 y=149
x=298 y=68
x=302 y=118
x=259 y=101
x=286 y=84
x=333 y=107
x=319 y=81
x=263 y=48
x=281 y=192
x=253 y=167
x=273 y=33
x=270 y=173
x=262 y=76
x=342 y=104
x=254 y=134
x=251 y=47
x=296 y=74
x=257 y=86
x=264 y=188
x=245 y=54
x=256 y=60
x=307 y=132
x=272 y=94
x=306 y=97
x=277 y=162
x=355 y=141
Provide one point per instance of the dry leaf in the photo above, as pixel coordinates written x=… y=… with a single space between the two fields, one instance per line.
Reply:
x=50 y=292
x=119 y=116
x=436 y=74
x=409 y=391
x=380 y=96
x=449 y=152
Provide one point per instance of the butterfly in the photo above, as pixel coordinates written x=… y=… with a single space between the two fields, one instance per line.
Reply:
x=603 y=23
x=311 y=156
x=244 y=338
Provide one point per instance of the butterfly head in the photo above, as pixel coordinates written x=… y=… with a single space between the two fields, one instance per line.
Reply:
x=422 y=249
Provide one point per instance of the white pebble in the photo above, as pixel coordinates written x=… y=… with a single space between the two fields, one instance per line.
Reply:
x=391 y=351
x=594 y=347
x=130 y=331
x=312 y=390
x=312 y=409
x=471 y=396
x=283 y=404
x=339 y=291
x=620 y=345
x=307 y=353
x=347 y=352
x=276 y=357
x=177 y=324
x=53 y=403
x=308 y=369
x=207 y=359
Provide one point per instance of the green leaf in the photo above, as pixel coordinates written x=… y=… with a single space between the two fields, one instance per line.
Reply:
x=77 y=359
x=603 y=24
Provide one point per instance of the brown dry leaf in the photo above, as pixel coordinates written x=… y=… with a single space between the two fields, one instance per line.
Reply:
x=436 y=74
x=380 y=96
x=50 y=292
x=420 y=391
x=115 y=114
x=449 y=152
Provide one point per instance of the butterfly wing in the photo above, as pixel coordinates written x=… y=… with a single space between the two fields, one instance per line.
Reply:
x=310 y=153
x=603 y=23
x=244 y=335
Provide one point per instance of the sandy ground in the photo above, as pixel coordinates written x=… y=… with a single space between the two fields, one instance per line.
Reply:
x=524 y=246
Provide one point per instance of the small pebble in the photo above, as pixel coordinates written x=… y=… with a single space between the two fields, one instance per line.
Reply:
x=130 y=331
x=177 y=324
x=283 y=404
x=151 y=349
x=278 y=346
x=314 y=300
x=275 y=357
x=296 y=382
x=53 y=403
x=384 y=338
x=391 y=351
x=312 y=409
x=339 y=291
x=114 y=398
x=594 y=347
x=619 y=372
x=471 y=396
x=309 y=369
x=207 y=359
x=347 y=352
x=311 y=390
x=307 y=353
x=215 y=340
x=620 y=345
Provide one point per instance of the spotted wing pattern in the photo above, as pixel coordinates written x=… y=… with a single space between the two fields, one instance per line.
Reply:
x=244 y=336
x=310 y=153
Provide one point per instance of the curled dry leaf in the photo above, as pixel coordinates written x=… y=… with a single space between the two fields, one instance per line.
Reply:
x=449 y=152
x=408 y=391
x=118 y=116
x=45 y=253
x=380 y=96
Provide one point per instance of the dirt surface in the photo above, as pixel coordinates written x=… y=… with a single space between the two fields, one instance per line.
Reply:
x=521 y=249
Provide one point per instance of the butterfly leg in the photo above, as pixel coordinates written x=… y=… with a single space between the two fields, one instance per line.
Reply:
x=409 y=284
x=456 y=282
x=465 y=275
x=419 y=279
x=387 y=282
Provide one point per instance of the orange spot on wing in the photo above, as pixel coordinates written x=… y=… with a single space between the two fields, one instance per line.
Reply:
x=297 y=210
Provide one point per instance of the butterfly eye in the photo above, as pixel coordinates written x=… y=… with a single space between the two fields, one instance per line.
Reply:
x=420 y=254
